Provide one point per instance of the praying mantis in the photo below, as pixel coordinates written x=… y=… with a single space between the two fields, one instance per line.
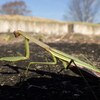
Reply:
x=66 y=59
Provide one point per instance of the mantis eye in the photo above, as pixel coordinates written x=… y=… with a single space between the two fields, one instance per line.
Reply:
x=16 y=34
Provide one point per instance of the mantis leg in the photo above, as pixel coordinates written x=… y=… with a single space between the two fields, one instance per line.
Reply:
x=69 y=64
x=46 y=63
x=19 y=58
x=66 y=65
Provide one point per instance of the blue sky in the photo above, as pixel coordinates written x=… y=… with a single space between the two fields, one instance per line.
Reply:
x=52 y=9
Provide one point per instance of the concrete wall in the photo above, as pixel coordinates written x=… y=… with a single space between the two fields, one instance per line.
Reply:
x=46 y=26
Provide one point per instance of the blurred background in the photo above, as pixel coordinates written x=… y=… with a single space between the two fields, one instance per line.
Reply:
x=55 y=20
x=70 y=10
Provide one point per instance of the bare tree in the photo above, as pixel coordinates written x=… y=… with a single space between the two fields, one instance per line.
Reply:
x=82 y=10
x=14 y=8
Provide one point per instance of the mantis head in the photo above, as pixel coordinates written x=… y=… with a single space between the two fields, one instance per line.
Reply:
x=16 y=33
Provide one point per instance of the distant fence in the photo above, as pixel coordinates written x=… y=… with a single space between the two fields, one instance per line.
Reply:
x=46 y=26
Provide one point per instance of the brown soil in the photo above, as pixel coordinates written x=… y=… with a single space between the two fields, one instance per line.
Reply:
x=46 y=82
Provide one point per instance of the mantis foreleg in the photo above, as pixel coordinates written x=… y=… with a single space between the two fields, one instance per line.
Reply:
x=19 y=58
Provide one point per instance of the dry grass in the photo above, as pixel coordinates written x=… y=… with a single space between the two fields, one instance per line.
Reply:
x=39 y=19
x=70 y=38
x=74 y=38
